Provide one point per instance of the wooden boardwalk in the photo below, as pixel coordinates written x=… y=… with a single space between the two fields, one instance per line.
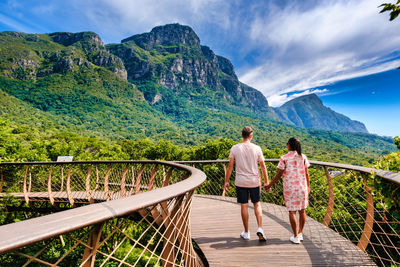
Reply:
x=216 y=226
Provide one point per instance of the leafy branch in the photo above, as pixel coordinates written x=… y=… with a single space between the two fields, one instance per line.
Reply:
x=393 y=8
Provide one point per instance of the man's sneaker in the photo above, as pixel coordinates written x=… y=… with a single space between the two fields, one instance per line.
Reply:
x=245 y=235
x=261 y=235
x=294 y=240
x=300 y=237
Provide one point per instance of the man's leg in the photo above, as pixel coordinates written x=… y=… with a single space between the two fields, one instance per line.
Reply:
x=293 y=222
x=302 y=220
x=258 y=213
x=244 y=208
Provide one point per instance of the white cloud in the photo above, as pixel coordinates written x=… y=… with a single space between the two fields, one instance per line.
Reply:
x=14 y=24
x=306 y=48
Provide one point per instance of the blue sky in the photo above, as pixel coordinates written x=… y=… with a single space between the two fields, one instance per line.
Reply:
x=283 y=48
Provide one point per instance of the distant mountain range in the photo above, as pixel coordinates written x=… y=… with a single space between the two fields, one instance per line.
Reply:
x=162 y=84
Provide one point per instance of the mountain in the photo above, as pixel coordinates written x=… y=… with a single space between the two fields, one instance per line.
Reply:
x=309 y=112
x=171 y=57
x=158 y=85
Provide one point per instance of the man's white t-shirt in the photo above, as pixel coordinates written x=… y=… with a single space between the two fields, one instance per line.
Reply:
x=247 y=156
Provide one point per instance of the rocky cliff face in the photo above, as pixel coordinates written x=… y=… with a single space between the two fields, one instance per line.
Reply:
x=39 y=55
x=309 y=112
x=172 y=56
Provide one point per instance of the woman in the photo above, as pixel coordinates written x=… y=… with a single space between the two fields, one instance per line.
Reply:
x=296 y=185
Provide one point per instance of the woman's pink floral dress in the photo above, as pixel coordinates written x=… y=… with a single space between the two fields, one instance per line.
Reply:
x=294 y=180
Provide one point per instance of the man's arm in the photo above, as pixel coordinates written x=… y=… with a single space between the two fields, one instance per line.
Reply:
x=228 y=173
x=264 y=171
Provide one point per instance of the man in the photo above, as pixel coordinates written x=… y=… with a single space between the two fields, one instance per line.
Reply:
x=246 y=155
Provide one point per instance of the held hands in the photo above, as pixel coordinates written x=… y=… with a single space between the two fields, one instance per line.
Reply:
x=267 y=187
x=226 y=186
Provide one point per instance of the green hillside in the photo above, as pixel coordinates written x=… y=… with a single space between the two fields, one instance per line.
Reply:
x=61 y=87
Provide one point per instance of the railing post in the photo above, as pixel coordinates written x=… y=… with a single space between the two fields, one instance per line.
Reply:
x=331 y=201
x=106 y=189
x=89 y=255
x=139 y=176
x=25 y=189
x=62 y=178
x=123 y=181
x=88 y=191
x=49 y=187
x=69 y=193
x=369 y=219
x=153 y=175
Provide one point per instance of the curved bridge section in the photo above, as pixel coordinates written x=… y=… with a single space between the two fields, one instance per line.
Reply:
x=348 y=223
x=139 y=214
x=141 y=218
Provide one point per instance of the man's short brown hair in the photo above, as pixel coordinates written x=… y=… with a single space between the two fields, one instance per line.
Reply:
x=246 y=131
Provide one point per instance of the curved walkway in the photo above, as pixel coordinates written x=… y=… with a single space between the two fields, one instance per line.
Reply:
x=216 y=225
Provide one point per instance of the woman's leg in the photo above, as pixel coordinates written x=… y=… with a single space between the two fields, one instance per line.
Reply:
x=302 y=220
x=293 y=222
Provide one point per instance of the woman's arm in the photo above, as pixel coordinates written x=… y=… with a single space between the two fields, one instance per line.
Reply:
x=278 y=175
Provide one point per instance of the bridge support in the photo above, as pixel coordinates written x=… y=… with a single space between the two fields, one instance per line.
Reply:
x=89 y=255
x=369 y=220
x=331 y=201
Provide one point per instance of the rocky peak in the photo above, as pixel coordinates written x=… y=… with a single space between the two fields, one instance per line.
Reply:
x=167 y=35
x=309 y=100
x=309 y=112
x=89 y=41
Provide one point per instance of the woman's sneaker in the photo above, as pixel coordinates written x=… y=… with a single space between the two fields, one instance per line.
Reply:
x=261 y=235
x=245 y=235
x=300 y=237
x=294 y=240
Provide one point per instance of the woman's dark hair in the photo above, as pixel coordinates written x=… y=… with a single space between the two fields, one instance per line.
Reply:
x=294 y=144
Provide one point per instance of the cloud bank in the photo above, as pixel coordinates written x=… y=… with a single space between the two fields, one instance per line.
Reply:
x=332 y=41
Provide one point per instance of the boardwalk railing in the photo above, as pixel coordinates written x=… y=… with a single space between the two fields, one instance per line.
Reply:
x=139 y=214
x=342 y=198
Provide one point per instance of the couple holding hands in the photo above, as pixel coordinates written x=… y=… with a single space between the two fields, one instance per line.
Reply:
x=293 y=167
